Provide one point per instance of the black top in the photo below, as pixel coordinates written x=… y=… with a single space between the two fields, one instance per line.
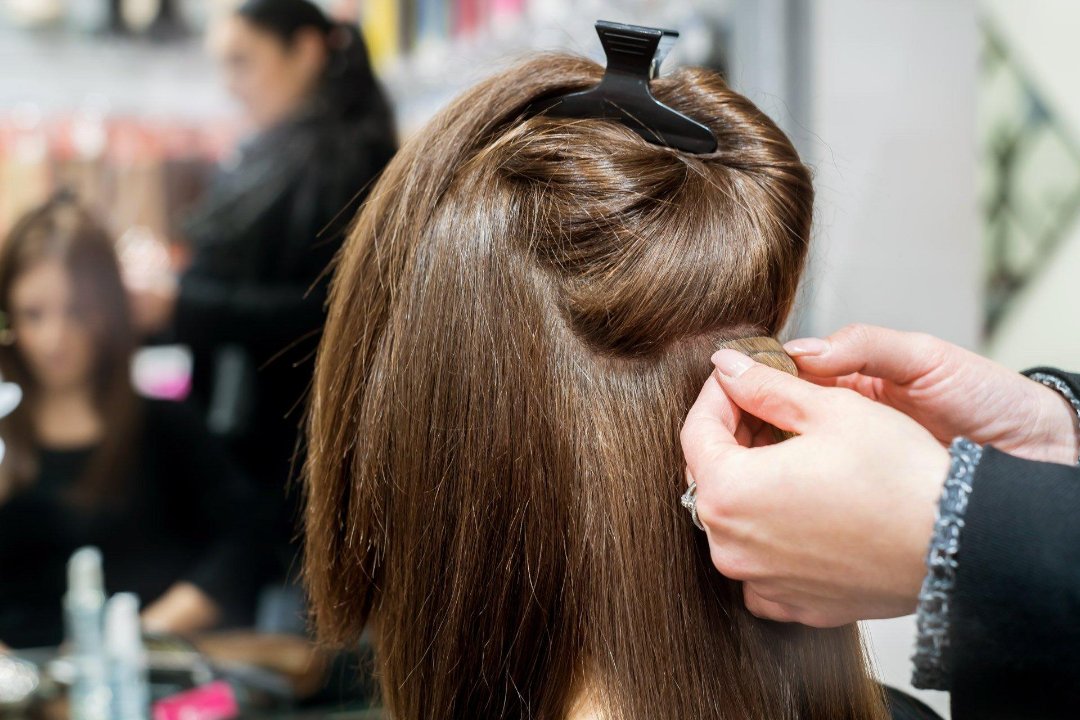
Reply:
x=257 y=286
x=1014 y=624
x=180 y=517
x=904 y=707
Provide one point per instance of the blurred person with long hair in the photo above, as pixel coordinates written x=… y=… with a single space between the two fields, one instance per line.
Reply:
x=88 y=462
x=251 y=303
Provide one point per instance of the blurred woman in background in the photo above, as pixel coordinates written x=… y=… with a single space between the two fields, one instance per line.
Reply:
x=251 y=304
x=90 y=463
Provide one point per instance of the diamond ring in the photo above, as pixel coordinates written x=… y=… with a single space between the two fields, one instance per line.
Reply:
x=689 y=501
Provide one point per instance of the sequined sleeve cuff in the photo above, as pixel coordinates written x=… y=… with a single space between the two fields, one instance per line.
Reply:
x=1061 y=387
x=932 y=617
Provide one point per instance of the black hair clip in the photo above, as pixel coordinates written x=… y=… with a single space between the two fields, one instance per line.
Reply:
x=634 y=54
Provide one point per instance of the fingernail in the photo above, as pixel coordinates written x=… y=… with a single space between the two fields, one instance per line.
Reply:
x=806 y=346
x=731 y=362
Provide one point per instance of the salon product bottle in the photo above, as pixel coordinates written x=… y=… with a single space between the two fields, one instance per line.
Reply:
x=127 y=658
x=83 y=610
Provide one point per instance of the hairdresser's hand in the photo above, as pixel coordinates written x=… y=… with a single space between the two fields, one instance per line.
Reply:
x=946 y=389
x=829 y=527
x=152 y=309
x=147 y=267
x=182 y=610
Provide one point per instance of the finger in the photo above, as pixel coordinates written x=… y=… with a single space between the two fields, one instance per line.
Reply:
x=710 y=428
x=822 y=619
x=755 y=433
x=765 y=435
x=766 y=609
x=892 y=355
x=778 y=611
x=744 y=435
x=865 y=385
x=818 y=380
x=772 y=395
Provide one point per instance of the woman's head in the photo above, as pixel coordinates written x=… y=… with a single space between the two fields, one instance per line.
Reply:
x=56 y=344
x=280 y=55
x=520 y=320
x=273 y=53
x=67 y=321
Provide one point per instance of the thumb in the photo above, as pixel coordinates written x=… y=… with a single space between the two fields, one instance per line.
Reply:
x=892 y=355
x=709 y=431
x=771 y=395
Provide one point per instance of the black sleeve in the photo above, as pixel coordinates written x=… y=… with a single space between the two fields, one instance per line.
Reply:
x=312 y=215
x=211 y=309
x=1015 y=616
x=224 y=510
x=1073 y=381
x=905 y=707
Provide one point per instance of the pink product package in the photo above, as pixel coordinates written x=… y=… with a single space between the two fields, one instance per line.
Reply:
x=215 y=701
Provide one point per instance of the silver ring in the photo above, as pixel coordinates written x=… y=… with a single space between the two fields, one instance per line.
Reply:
x=689 y=501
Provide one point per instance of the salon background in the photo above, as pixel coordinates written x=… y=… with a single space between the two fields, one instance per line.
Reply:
x=945 y=138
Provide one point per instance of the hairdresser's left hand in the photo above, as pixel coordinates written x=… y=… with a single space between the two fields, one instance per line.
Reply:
x=152 y=308
x=148 y=267
x=824 y=529
x=182 y=610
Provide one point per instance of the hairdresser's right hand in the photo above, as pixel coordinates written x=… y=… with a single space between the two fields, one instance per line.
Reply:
x=946 y=389
x=826 y=528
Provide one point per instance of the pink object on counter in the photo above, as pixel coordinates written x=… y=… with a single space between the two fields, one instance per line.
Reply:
x=215 y=701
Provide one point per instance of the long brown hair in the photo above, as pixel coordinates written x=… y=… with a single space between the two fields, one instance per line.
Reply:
x=520 y=320
x=62 y=230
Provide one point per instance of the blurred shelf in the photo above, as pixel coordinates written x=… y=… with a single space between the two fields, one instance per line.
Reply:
x=428 y=76
x=58 y=71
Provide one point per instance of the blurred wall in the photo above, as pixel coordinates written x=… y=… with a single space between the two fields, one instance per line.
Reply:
x=880 y=97
x=1041 y=325
x=892 y=106
x=892 y=111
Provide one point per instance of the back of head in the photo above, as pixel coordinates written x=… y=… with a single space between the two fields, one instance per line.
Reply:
x=521 y=319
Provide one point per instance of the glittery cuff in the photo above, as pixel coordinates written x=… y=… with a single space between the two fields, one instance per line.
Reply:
x=1057 y=384
x=932 y=644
